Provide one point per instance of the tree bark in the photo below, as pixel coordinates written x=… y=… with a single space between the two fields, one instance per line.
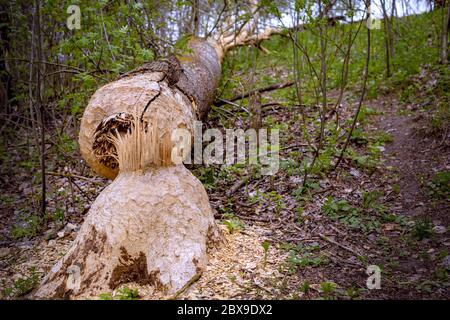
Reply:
x=387 y=37
x=444 y=36
x=40 y=107
x=255 y=110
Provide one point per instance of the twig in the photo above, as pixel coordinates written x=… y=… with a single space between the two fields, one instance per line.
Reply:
x=294 y=145
x=260 y=286
x=224 y=101
x=226 y=112
x=237 y=185
x=250 y=218
x=43 y=62
x=79 y=188
x=62 y=174
x=194 y=279
x=249 y=93
x=323 y=237
x=337 y=230
x=217 y=21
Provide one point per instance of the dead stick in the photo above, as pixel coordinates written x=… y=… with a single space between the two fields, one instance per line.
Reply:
x=237 y=185
x=194 y=279
x=250 y=218
x=323 y=237
x=61 y=174
x=260 y=90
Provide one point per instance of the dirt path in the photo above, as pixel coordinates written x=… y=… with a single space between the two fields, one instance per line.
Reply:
x=416 y=157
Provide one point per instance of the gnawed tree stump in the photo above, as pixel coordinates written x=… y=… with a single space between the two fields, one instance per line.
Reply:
x=152 y=227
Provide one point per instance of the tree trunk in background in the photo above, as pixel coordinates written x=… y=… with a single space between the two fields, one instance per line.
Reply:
x=438 y=4
x=444 y=36
x=387 y=37
x=255 y=110
x=195 y=18
x=40 y=107
x=5 y=78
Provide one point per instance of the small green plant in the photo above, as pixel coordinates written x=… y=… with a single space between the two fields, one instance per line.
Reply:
x=66 y=144
x=323 y=162
x=233 y=224
x=422 y=229
x=127 y=294
x=299 y=211
x=370 y=199
x=391 y=217
x=105 y=296
x=396 y=188
x=328 y=289
x=306 y=190
x=382 y=137
x=122 y=294
x=367 y=160
x=23 y=286
x=207 y=176
x=290 y=166
x=334 y=208
x=441 y=274
x=439 y=186
x=277 y=199
x=440 y=119
x=443 y=253
x=343 y=212
x=303 y=261
x=305 y=287
x=58 y=215
x=307 y=259
x=359 y=136
x=353 y=293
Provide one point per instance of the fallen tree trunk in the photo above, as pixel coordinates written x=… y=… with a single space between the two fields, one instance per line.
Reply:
x=171 y=105
x=153 y=224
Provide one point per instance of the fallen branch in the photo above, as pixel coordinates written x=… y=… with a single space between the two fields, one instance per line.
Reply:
x=186 y=286
x=323 y=237
x=250 y=218
x=293 y=146
x=71 y=175
x=224 y=101
x=260 y=90
x=237 y=185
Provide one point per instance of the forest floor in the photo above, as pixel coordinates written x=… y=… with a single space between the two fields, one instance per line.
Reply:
x=319 y=258
x=390 y=215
